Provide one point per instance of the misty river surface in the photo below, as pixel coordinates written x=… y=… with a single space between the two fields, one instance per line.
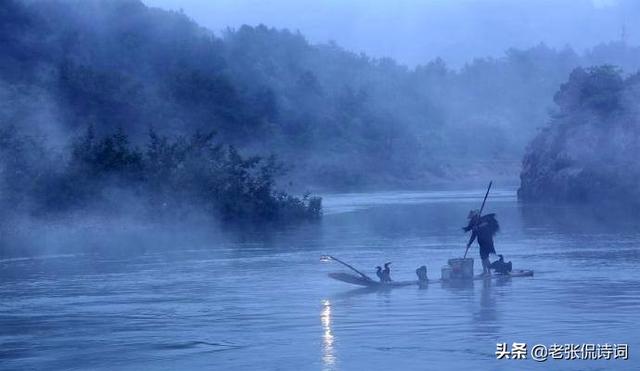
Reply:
x=268 y=303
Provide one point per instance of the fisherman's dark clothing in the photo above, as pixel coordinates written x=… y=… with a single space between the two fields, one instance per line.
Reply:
x=485 y=240
x=483 y=229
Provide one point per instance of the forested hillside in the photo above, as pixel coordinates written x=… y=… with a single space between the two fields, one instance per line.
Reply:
x=335 y=119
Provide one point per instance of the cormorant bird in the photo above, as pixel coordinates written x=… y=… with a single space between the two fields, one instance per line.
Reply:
x=386 y=273
x=379 y=273
x=422 y=274
x=500 y=266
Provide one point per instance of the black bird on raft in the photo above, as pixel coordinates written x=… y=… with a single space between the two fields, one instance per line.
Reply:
x=379 y=273
x=386 y=272
x=421 y=272
x=500 y=266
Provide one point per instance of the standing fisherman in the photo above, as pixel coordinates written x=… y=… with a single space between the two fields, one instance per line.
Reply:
x=483 y=228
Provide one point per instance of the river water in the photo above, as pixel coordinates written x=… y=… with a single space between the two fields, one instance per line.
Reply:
x=267 y=303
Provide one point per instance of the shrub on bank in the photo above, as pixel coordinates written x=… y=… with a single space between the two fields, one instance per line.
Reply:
x=170 y=176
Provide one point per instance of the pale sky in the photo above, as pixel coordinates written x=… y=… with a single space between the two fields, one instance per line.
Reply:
x=414 y=31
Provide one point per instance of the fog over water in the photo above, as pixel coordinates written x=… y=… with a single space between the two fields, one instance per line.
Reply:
x=269 y=304
x=414 y=32
x=166 y=193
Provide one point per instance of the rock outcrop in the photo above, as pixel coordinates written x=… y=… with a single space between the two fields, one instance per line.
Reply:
x=590 y=151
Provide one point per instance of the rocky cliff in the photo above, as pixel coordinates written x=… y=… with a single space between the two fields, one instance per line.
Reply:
x=590 y=150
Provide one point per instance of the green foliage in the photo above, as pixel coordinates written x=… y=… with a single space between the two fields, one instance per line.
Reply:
x=345 y=120
x=588 y=152
x=95 y=159
x=596 y=89
x=172 y=176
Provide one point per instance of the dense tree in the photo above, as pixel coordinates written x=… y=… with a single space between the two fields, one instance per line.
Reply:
x=170 y=178
x=588 y=152
x=594 y=90
x=338 y=118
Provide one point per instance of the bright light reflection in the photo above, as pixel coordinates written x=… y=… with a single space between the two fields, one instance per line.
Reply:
x=328 y=356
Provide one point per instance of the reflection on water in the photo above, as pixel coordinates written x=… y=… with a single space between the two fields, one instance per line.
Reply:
x=486 y=319
x=328 y=355
x=255 y=306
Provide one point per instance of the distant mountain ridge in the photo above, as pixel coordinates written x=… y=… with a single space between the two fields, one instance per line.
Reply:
x=340 y=120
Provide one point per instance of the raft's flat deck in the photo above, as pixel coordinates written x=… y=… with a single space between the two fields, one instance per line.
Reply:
x=361 y=281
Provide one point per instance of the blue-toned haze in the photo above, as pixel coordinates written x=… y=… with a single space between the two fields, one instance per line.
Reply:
x=414 y=32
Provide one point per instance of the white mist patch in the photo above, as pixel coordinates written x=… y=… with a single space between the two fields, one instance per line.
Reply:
x=349 y=202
